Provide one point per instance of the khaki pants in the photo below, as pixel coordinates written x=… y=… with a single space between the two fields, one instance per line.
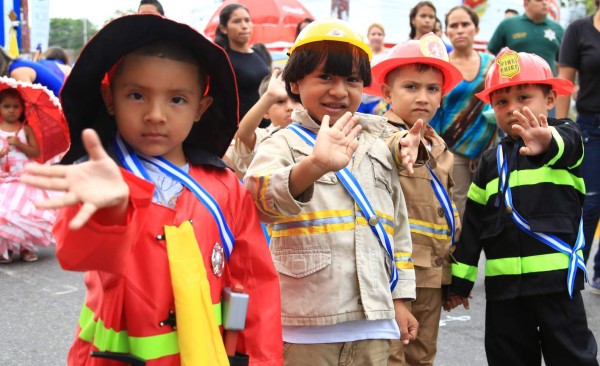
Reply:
x=462 y=175
x=370 y=352
x=427 y=308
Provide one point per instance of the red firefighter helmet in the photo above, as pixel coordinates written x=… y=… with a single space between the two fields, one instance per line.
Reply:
x=429 y=50
x=514 y=68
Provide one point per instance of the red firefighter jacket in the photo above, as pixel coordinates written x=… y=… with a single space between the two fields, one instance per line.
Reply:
x=129 y=294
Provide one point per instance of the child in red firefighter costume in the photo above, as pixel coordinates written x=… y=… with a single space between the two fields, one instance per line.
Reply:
x=160 y=99
x=524 y=210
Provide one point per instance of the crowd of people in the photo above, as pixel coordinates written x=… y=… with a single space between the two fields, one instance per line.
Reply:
x=325 y=213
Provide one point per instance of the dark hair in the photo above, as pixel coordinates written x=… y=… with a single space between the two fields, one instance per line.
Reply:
x=472 y=14
x=167 y=50
x=221 y=38
x=517 y=13
x=418 y=67
x=56 y=53
x=340 y=58
x=304 y=22
x=545 y=88
x=263 y=51
x=156 y=4
x=14 y=93
x=413 y=14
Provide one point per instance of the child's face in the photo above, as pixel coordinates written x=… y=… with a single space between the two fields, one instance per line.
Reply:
x=424 y=20
x=327 y=94
x=155 y=102
x=280 y=113
x=505 y=102
x=11 y=109
x=413 y=94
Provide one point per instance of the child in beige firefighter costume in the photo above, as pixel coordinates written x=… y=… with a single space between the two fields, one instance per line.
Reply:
x=413 y=79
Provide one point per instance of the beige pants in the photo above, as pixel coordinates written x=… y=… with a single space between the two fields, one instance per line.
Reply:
x=462 y=175
x=370 y=352
x=427 y=308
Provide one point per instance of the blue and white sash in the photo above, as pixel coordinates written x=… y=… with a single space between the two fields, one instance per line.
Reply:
x=131 y=161
x=554 y=242
x=355 y=190
x=444 y=198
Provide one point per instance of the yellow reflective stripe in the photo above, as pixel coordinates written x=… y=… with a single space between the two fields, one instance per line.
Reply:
x=464 y=271
x=317 y=215
x=560 y=143
x=405 y=265
x=260 y=184
x=148 y=348
x=532 y=264
x=313 y=230
x=429 y=229
x=477 y=194
x=363 y=222
x=535 y=176
x=217 y=309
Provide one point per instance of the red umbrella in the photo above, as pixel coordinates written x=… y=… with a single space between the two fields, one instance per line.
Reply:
x=274 y=20
x=45 y=116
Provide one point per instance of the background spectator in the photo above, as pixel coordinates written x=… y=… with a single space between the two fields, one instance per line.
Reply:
x=580 y=54
x=250 y=64
x=465 y=123
x=532 y=32
x=375 y=37
x=57 y=61
x=510 y=13
x=303 y=23
x=29 y=71
x=151 y=7
x=422 y=19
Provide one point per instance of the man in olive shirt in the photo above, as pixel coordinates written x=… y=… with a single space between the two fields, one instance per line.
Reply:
x=531 y=32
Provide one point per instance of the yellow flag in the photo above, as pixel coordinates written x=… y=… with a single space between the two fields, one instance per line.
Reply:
x=13 y=45
x=199 y=338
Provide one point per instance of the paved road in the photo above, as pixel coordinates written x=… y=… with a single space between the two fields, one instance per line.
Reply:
x=40 y=303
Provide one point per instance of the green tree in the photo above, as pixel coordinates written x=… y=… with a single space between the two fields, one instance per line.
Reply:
x=70 y=34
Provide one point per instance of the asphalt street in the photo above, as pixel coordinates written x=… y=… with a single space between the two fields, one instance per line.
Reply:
x=40 y=304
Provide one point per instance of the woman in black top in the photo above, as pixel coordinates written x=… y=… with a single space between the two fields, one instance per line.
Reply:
x=580 y=54
x=249 y=64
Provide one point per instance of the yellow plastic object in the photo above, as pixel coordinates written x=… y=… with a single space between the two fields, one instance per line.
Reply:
x=330 y=29
x=199 y=338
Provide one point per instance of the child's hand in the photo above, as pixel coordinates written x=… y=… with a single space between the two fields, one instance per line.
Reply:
x=97 y=183
x=13 y=140
x=407 y=322
x=410 y=146
x=455 y=300
x=536 y=135
x=335 y=145
x=276 y=87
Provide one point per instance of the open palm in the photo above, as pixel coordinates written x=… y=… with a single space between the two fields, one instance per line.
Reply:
x=96 y=183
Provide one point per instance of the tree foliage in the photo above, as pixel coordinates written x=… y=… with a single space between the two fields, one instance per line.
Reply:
x=70 y=34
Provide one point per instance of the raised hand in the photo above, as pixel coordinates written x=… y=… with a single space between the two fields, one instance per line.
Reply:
x=336 y=144
x=535 y=133
x=276 y=86
x=409 y=146
x=96 y=183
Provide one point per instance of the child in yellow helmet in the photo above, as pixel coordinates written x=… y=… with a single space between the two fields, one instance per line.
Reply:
x=329 y=187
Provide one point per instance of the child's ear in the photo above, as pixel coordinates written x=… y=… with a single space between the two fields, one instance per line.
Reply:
x=551 y=99
x=108 y=98
x=205 y=102
x=294 y=87
x=387 y=93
